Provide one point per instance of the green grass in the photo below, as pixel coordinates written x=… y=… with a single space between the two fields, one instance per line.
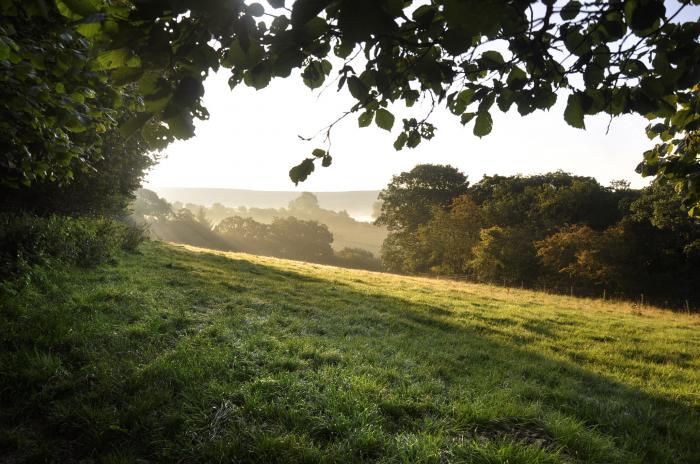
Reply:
x=177 y=355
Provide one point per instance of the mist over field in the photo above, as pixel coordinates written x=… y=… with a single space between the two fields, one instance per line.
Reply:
x=358 y=204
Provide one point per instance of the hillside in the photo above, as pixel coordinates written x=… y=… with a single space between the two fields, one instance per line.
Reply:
x=357 y=203
x=185 y=355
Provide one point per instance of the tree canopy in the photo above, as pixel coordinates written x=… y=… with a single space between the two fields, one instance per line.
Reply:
x=554 y=230
x=72 y=70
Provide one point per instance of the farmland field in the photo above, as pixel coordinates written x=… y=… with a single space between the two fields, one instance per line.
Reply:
x=185 y=355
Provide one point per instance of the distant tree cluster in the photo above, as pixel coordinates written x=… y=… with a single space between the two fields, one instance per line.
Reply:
x=347 y=231
x=554 y=230
x=284 y=237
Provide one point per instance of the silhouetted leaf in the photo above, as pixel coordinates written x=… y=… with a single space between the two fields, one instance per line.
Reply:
x=365 y=118
x=573 y=114
x=570 y=10
x=384 y=119
x=483 y=124
x=301 y=172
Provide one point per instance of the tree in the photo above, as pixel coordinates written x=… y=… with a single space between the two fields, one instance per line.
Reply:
x=408 y=200
x=148 y=206
x=107 y=189
x=450 y=236
x=303 y=240
x=306 y=202
x=140 y=65
x=505 y=255
x=247 y=235
x=587 y=258
x=357 y=258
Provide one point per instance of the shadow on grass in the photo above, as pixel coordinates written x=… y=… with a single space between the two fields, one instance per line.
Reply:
x=430 y=367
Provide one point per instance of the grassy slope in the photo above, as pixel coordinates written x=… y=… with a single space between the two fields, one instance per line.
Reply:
x=176 y=355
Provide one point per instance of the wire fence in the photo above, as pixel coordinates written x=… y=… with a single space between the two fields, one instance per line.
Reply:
x=676 y=304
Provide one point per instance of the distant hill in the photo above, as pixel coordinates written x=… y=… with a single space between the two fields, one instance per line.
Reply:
x=358 y=204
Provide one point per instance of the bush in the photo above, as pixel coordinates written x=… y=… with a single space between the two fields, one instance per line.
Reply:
x=357 y=258
x=27 y=239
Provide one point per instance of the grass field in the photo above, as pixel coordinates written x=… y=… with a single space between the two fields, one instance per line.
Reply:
x=178 y=355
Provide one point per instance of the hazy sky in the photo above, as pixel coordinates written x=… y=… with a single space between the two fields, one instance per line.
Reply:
x=250 y=142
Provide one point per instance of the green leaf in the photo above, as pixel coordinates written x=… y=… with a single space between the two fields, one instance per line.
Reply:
x=128 y=128
x=304 y=10
x=365 y=119
x=516 y=78
x=483 y=124
x=4 y=50
x=326 y=161
x=319 y=153
x=400 y=141
x=90 y=29
x=258 y=77
x=314 y=75
x=576 y=42
x=276 y=3
x=117 y=58
x=238 y=57
x=78 y=7
x=255 y=9
x=466 y=117
x=357 y=88
x=642 y=15
x=570 y=10
x=493 y=57
x=384 y=119
x=573 y=114
x=301 y=172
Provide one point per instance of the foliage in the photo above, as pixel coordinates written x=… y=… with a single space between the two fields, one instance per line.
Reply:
x=300 y=239
x=287 y=237
x=555 y=230
x=611 y=57
x=347 y=231
x=106 y=190
x=54 y=105
x=184 y=227
x=357 y=258
x=148 y=205
x=449 y=236
x=587 y=257
x=504 y=255
x=74 y=70
x=409 y=198
x=183 y=356
x=27 y=240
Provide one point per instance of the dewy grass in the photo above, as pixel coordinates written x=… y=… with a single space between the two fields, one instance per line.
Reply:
x=182 y=355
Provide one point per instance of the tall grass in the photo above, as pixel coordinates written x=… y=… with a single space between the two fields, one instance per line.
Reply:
x=181 y=355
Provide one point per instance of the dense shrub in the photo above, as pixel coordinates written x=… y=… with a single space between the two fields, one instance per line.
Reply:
x=357 y=258
x=27 y=239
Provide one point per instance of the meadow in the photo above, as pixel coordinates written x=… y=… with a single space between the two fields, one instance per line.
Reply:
x=179 y=354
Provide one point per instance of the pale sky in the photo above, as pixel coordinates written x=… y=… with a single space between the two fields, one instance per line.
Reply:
x=250 y=142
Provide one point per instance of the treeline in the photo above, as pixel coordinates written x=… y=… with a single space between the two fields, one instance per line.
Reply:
x=284 y=237
x=555 y=231
x=347 y=232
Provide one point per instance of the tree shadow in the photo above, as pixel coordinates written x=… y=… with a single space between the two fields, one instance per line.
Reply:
x=656 y=428
x=427 y=364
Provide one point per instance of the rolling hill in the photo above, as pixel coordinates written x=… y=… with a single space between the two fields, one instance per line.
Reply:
x=187 y=355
